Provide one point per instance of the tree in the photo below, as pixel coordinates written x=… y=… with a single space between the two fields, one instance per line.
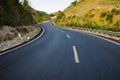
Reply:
x=25 y=3
x=16 y=1
x=60 y=16
x=74 y=3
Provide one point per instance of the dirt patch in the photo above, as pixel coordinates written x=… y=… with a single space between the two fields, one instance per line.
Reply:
x=13 y=36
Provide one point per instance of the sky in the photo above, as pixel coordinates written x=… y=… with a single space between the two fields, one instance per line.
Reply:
x=50 y=6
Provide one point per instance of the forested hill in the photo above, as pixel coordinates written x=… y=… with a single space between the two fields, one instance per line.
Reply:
x=13 y=13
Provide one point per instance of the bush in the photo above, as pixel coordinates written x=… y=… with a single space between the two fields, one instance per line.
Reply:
x=73 y=16
x=60 y=17
x=117 y=26
x=103 y=14
x=114 y=11
x=109 y=17
x=74 y=3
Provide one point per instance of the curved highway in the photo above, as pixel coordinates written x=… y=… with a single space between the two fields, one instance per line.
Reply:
x=62 y=55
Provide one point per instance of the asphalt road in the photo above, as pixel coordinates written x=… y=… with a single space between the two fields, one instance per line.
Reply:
x=62 y=55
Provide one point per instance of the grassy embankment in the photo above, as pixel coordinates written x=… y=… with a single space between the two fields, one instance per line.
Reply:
x=95 y=14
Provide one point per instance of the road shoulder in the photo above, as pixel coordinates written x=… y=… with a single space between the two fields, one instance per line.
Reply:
x=21 y=40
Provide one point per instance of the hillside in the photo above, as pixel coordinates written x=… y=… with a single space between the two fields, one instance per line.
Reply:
x=96 y=14
x=17 y=23
x=12 y=13
x=82 y=7
x=38 y=16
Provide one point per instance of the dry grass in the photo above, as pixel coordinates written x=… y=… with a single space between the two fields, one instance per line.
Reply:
x=86 y=5
x=89 y=14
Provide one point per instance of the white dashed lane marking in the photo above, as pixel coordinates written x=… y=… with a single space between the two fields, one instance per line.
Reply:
x=67 y=36
x=76 y=55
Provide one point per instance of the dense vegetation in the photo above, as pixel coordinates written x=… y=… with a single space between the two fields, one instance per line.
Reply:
x=95 y=14
x=38 y=16
x=13 y=13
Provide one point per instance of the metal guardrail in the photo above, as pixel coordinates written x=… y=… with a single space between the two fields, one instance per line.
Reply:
x=109 y=34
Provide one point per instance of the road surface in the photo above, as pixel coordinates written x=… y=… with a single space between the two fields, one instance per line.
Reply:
x=61 y=54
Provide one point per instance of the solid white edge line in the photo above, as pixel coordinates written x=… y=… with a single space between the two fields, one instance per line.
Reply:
x=24 y=43
x=98 y=37
x=68 y=36
x=104 y=39
x=76 y=55
x=108 y=40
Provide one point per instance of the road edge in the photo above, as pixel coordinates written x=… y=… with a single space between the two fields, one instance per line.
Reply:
x=40 y=34
x=95 y=35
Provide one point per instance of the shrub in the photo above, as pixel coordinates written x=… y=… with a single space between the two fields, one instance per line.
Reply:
x=73 y=16
x=60 y=16
x=103 y=14
x=74 y=3
x=109 y=17
x=114 y=11
x=116 y=26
